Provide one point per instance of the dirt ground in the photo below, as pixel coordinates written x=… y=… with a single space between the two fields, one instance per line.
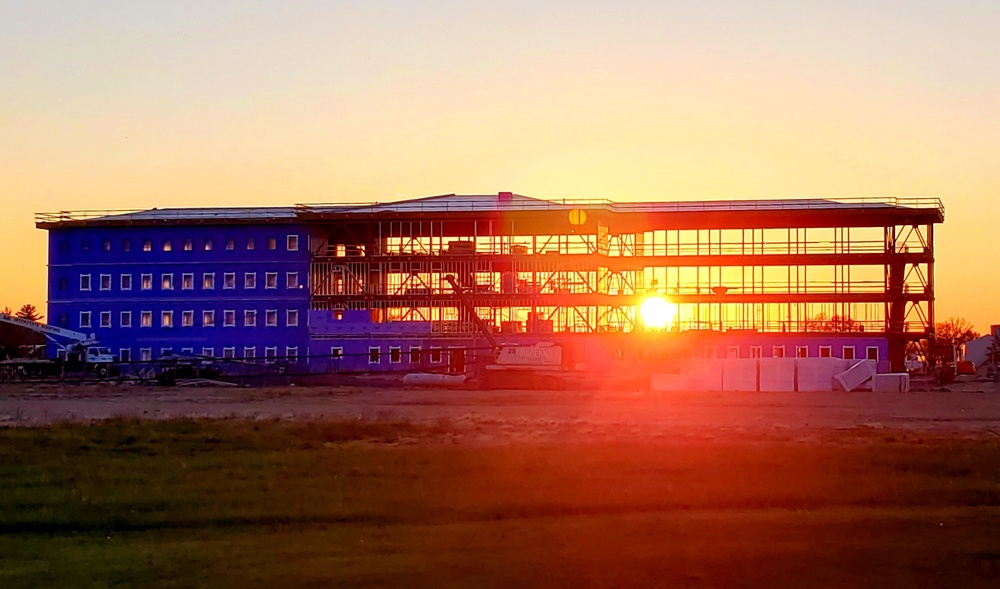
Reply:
x=499 y=415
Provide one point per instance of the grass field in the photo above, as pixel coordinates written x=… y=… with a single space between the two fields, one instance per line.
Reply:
x=382 y=504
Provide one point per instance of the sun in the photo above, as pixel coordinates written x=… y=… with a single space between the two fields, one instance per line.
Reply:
x=656 y=313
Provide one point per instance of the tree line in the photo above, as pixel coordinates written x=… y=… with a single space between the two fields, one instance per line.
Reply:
x=27 y=311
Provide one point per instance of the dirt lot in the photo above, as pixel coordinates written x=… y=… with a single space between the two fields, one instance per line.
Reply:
x=504 y=414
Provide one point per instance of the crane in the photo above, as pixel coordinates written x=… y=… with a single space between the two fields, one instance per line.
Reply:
x=535 y=367
x=51 y=332
x=75 y=349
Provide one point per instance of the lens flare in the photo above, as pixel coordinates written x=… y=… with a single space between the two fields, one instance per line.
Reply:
x=656 y=313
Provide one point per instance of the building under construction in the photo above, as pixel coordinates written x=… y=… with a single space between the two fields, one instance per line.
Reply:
x=806 y=277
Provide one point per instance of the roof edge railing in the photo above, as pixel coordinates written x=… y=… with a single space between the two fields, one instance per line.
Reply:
x=483 y=205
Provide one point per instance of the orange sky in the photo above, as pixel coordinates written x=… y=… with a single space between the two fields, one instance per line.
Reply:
x=123 y=106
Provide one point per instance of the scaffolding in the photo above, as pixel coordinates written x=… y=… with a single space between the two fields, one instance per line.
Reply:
x=584 y=266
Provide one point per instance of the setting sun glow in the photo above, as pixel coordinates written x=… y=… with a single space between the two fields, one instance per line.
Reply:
x=656 y=313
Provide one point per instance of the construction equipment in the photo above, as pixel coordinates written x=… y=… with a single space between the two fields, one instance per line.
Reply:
x=76 y=353
x=538 y=366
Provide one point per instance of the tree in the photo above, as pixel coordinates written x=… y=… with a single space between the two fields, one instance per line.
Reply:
x=836 y=323
x=28 y=311
x=954 y=331
x=6 y=311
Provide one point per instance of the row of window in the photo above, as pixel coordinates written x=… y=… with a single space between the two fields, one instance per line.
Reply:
x=187 y=318
x=847 y=352
x=249 y=353
x=396 y=354
x=207 y=244
x=105 y=281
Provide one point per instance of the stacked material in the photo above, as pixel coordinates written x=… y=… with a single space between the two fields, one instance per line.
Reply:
x=856 y=375
x=816 y=374
x=895 y=382
x=739 y=374
x=705 y=374
x=777 y=374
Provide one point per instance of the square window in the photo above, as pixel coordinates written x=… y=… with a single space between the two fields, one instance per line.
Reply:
x=848 y=352
x=395 y=355
x=229 y=280
x=64 y=320
x=250 y=318
x=435 y=355
x=250 y=243
x=167 y=282
x=188 y=245
x=166 y=352
x=733 y=352
x=291 y=280
x=210 y=352
x=778 y=352
x=187 y=350
x=292 y=317
x=166 y=319
x=187 y=318
x=414 y=355
x=85 y=282
x=229 y=318
x=292 y=353
x=230 y=244
x=209 y=244
x=147 y=245
x=106 y=245
x=146 y=319
x=292 y=243
x=105 y=318
x=249 y=353
x=755 y=351
x=270 y=353
x=271 y=280
x=145 y=354
x=126 y=282
x=336 y=353
x=250 y=280
x=63 y=283
x=105 y=282
x=208 y=281
x=709 y=351
x=168 y=245
x=228 y=352
x=126 y=245
x=147 y=282
x=801 y=351
x=373 y=355
x=124 y=354
x=271 y=317
x=825 y=351
x=125 y=318
x=84 y=319
x=272 y=243
x=208 y=318
x=187 y=281
x=872 y=352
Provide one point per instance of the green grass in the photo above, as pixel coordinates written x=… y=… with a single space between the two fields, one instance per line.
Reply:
x=375 y=504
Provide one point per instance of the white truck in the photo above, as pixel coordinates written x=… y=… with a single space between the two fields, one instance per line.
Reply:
x=76 y=353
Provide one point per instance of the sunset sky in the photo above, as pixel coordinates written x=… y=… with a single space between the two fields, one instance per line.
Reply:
x=116 y=105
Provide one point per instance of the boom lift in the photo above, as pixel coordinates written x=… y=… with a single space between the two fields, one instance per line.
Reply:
x=77 y=352
x=538 y=366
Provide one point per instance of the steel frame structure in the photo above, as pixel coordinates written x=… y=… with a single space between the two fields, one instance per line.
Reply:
x=584 y=266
